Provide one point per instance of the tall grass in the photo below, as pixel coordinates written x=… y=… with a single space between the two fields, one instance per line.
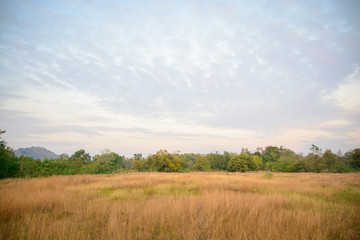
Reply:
x=182 y=206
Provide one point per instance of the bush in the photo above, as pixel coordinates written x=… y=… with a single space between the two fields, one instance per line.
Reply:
x=268 y=175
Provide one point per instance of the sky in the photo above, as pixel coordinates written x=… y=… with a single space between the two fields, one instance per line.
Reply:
x=194 y=76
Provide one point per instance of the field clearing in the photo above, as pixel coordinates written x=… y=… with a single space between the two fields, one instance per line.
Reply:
x=194 y=205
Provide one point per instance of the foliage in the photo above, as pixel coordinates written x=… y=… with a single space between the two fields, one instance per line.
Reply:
x=239 y=163
x=218 y=161
x=201 y=163
x=268 y=175
x=270 y=158
x=163 y=161
x=9 y=166
x=271 y=154
x=355 y=158
x=138 y=165
x=329 y=160
x=188 y=161
x=258 y=161
x=80 y=157
x=107 y=162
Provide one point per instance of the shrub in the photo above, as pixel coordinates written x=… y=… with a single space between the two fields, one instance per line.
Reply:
x=268 y=175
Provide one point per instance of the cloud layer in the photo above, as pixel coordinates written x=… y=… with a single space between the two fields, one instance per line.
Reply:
x=136 y=76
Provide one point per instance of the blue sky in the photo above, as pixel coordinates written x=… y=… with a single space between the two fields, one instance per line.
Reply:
x=195 y=76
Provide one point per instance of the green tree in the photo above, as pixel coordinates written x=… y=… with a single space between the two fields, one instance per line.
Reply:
x=249 y=161
x=30 y=167
x=138 y=156
x=107 y=161
x=48 y=167
x=138 y=162
x=64 y=157
x=188 y=161
x=355 y=158
x=286 y=161
x=80 y=157
x=163 y=161
x=201 y=163
x=313 y=161
x=9 y=166
x=65 y=165
x=315 y=149
x=218 y=161
x=329 y=160
x=238 y=163
x=300 y=166
x=271 y=154
x=258 y=161
x=138 y=165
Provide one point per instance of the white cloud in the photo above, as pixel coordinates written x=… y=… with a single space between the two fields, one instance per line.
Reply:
x=119 y=131
x=354 y=137
x=225 y=74
x=333 y=124
x=347 y=94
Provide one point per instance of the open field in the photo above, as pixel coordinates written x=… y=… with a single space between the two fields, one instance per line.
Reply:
x=182 y=206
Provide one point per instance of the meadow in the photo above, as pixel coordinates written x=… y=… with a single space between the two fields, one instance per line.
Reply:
x=196 y=205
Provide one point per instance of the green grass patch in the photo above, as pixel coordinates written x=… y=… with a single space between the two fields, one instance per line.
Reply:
x=107 y=191
x=181 y=190
x=163 y=190
x=268 y=175
x=351 y=194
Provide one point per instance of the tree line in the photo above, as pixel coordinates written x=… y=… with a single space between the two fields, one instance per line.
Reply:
x=270 y=158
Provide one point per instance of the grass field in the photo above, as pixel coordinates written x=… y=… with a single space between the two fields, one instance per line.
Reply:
x=182 y=206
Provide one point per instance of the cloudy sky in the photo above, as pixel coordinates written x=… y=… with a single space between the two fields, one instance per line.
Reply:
x=195 y=76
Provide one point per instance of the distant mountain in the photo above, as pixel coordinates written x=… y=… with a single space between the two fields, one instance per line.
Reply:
x=36 y=153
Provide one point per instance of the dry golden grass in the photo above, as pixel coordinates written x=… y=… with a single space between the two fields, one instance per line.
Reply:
x=182 y=206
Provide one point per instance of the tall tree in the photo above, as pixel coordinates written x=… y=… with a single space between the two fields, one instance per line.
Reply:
x=313 y=161
x=163 y=161
x=329 y=160
x=201 y=163
x=355 y=158
x=81 y=157
x=239 y=163
x=9 y=165
x=108 y=161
